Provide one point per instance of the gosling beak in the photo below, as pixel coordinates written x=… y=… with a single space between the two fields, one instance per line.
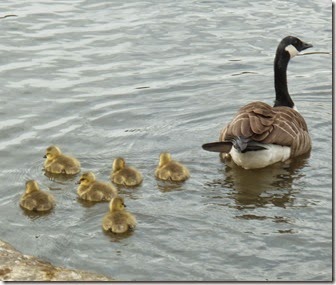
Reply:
x=45 y=156
x=78 y=182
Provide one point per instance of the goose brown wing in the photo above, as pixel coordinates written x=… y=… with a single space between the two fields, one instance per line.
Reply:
x=270 y=125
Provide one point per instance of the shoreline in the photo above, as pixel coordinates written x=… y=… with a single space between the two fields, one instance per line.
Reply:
x=16 y=266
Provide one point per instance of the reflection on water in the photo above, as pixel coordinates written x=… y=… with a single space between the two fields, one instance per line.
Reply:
x=76 y=74
x=33 y=215
x=169 y=186
x=258 y=187
x=88 y=204
x=118 y=237
x=60 y=177
x=130 y=193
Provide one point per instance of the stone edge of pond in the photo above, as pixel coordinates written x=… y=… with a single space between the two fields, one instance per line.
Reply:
x=15 y=266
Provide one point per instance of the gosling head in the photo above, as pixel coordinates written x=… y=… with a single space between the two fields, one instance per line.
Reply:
x=87 y=178
x=165 y=157
x=117 y=204
x=31 y=186
x=52 y=152
x=118 y=164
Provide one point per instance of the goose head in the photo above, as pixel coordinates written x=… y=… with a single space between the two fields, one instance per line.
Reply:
x=118 y=164
x=31 y=186
x=86 y=179
x=288 y=48
x=117 y=204
x=292 y=46
x=52 y=152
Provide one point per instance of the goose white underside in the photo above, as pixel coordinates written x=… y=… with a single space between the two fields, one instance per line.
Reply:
x=261 y=158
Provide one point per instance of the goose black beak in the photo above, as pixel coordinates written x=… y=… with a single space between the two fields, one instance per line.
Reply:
x=305 y=46
x=44 y=156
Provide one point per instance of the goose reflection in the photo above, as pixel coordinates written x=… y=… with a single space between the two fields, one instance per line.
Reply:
x=259 y=187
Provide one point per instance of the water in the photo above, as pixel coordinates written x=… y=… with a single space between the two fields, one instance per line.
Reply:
x=103 y=79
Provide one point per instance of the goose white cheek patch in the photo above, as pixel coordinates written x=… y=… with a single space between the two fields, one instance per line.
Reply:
x=292 y=50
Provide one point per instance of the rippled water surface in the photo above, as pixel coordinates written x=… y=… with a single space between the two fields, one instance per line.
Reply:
x=103 y=79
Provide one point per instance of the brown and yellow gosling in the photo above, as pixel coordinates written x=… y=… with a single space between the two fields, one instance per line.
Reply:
x=118 y=220
x=56 y=162
x=92 y=190
x=172 y=170
x=125 y=175
x=34 y=199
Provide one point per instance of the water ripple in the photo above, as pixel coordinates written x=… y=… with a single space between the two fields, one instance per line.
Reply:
x=103 y=79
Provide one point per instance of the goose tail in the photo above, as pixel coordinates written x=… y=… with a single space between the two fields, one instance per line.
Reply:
x=224 y=147
x=241 y=144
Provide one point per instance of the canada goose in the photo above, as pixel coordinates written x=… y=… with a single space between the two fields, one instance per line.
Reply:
x=169 y=169
x=92 y=190
x=36 y=199
x=262 y=135
x=56 y=162
x=124 y=175
x=118 y=220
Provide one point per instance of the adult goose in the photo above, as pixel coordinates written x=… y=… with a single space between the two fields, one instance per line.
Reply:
x=260 y=135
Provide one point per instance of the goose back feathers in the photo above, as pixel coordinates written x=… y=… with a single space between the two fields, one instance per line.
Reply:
x=259 y=122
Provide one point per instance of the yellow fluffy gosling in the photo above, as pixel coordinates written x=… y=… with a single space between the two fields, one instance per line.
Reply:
x=92 y=190
x=56 y=162
x=125 y=175
x=118 y=220
x=34 y=199
x=169 y=169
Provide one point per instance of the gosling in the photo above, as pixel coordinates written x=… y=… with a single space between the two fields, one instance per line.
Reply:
x=56 y=162
x=92 y=190
x=125 y=175
x=34 y=199
x=172 y=170
x=118 y=220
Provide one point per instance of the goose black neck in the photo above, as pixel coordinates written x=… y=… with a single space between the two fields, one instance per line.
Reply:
x=282 y=97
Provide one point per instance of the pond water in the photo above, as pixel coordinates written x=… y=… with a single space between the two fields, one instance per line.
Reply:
x=103 y=79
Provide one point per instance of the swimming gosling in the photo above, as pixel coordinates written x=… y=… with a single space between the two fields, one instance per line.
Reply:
x=34 y=199
x=92 y=190
x=124 y=175
x=56 y=162
x=118 y=220
x=169 y=169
